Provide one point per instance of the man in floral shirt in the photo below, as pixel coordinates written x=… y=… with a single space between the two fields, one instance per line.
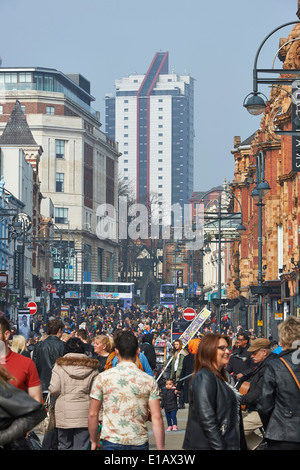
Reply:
x=126 y=394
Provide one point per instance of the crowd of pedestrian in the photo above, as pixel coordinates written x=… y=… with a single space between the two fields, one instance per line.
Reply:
x=99 y=368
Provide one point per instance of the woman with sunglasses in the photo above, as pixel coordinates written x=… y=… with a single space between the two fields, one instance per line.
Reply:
x=214 y=410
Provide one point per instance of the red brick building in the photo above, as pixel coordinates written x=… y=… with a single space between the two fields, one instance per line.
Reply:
x=280 y=212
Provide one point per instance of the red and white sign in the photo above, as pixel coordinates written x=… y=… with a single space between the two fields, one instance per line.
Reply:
x=32 y=307
x=3 y=279
x=189 y=314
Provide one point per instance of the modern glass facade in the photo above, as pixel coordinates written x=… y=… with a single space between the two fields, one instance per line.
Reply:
x=46 y=80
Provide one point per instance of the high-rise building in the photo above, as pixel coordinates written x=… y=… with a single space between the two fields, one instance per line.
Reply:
x=151 y=117
x=78 y=163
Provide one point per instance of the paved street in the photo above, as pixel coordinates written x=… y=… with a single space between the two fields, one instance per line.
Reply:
x=173 y=439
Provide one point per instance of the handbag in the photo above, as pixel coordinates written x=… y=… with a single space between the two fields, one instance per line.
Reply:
x=48 y=424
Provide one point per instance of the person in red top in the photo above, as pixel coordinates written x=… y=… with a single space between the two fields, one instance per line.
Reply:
x=22 y=368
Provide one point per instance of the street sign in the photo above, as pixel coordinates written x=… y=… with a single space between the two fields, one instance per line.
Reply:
x=189 y=314
x=32 y=307
x=3 y=279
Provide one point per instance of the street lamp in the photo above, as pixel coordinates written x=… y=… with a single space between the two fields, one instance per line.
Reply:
x=254 y=103
x=258 y=193
x=22 y=225
x=229 y=221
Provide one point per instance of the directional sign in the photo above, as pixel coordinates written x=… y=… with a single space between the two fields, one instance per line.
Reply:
x=32 y=307
x=189 y=314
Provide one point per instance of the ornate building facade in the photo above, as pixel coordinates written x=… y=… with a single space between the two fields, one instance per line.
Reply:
x=272 y=147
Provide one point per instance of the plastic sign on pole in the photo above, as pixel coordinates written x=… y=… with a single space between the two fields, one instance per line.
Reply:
x=190 y=332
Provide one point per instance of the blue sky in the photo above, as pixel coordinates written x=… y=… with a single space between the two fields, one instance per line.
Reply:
x=215 y=42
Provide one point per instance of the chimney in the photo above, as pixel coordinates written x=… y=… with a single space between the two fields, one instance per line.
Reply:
x=236 y=141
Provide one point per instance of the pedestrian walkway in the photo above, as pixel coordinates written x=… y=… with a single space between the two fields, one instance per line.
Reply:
x=173 y=439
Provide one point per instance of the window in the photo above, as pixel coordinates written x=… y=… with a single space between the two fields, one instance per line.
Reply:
x=50 y=110
x=60 y=148
x=61 y=215
x=1 y=109
x=60 y=182
x=25 y=77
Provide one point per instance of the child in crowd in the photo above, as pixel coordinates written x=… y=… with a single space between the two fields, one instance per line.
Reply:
x=169 y=403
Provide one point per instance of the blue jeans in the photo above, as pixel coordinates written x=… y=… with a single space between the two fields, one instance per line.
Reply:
x=106 y=445
x=171 y=417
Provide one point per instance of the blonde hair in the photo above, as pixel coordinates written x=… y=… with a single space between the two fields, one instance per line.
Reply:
x=289 y=332
x=106 y=341
x=18 y=344
x=65 y=337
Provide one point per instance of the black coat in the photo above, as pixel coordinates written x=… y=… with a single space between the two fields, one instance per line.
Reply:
x=240 y=362
x=256 y=381
x=279 y=403
x=44 y=356
x=213 y=420
x=169 y=400
x=148 y=349
x=187 y=369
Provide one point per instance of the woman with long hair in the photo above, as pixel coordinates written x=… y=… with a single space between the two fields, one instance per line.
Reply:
x=214 y=411
x=19 y=346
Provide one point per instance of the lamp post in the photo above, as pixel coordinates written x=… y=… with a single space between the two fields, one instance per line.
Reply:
x=261 y=189
x=218 y=222
x=253 y=102
x=22 y=225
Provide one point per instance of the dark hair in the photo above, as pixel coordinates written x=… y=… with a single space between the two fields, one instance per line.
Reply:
x=207 y=353
x=4 y=324
x=244 y=335
x=74 y=345
x=127 y=344
x=81 y=333
x=54 y=326
x=147 y=338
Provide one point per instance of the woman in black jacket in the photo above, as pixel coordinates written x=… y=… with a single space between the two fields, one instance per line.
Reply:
x=214 y=411
x=279 y=403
